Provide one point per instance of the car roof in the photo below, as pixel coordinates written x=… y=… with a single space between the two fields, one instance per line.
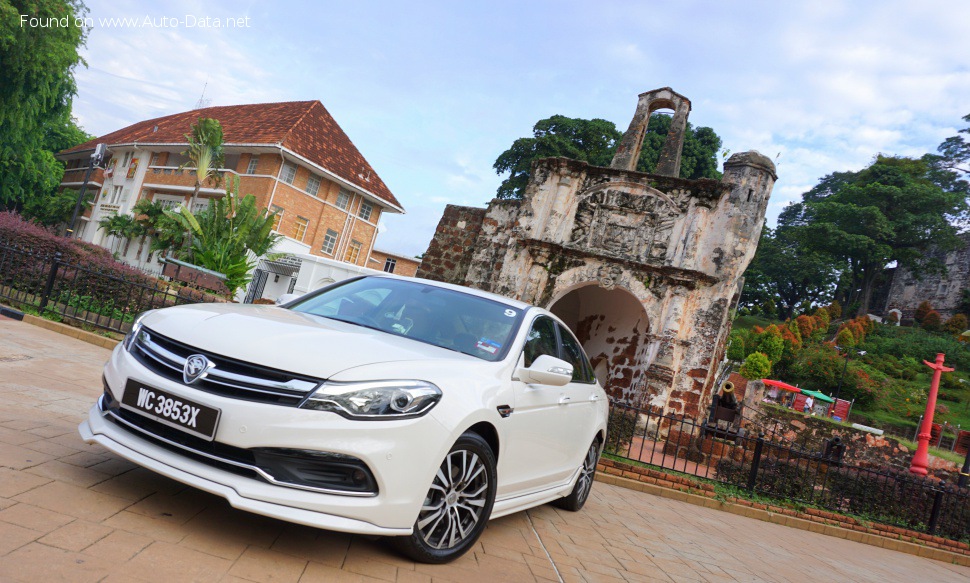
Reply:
x=460 y=288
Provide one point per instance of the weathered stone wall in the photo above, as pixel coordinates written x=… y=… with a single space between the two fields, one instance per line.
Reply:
x=943 y=292
x=675 y=248
x=449 y=253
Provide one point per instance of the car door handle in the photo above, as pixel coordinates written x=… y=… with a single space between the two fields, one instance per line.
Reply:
x=565 y=399
x=594 y=398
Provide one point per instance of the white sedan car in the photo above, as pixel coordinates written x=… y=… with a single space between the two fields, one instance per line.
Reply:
x=379 y=405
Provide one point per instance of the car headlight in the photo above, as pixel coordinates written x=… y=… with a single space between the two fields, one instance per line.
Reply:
x=375 y=400
x=135 y=329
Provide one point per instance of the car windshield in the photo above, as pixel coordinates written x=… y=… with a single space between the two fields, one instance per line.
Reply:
x=442 y=317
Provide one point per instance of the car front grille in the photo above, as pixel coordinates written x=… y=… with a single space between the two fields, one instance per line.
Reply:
x=316 y=471
x=228 y=377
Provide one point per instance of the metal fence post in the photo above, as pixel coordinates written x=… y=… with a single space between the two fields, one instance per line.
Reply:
x=937 y=505
x=756 y=461
x=49 y=286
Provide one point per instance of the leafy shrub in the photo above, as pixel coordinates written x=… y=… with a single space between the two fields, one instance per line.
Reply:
x=620 y=429
x=835 y=310
x=932 y=322
x=756 y=366
x=921 y=310
x=956 y=324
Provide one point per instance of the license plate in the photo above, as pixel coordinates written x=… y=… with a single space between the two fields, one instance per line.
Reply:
x=172 y=410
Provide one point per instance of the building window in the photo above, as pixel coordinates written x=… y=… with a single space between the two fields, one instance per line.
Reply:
x=200 y=205
x=299 y=230
x=156 y=159
x=289 y=173
x=253 y=162
x=313 y=184
x=279 y=216
x=115 y=195
x=353 y=252
x=365 y=211
x=390 y=264
x=330 y=241
x=343 y=199
x=127 y=160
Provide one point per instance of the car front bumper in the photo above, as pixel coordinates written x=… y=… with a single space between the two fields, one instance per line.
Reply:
x=402 y=455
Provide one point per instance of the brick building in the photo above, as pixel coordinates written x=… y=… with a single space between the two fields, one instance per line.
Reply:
x=293 y=157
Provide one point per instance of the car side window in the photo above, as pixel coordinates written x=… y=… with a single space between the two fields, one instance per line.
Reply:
x=574 y=355
x=541 y=340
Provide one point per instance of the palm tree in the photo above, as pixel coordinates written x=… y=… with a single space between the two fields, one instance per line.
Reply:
x=122 y=227
x=205 y=152
x=229 y=235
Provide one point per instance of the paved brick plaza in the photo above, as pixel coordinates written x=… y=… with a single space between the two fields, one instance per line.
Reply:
x=73 y=512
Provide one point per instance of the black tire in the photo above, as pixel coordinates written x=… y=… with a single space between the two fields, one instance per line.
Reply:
x=457 y=506
x=577 y=498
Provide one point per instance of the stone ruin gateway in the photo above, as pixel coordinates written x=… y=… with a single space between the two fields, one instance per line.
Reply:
x=642 y=267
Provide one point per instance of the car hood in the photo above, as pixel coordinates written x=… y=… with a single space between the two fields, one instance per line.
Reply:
x=286 y=340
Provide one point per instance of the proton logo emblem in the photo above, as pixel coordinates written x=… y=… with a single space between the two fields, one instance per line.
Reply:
x=196 y=367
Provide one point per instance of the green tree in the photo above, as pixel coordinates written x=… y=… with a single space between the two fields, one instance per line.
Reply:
x=955 y=151
x=595 y=141
x=786 y=271
x=771 y=344
x=891 y=211
x=36 y=89
x=56 y=208
x=205 y=153
x=229 y=235
x=122 y=227
x=756 y=366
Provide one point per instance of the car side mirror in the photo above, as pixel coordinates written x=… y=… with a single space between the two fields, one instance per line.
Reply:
x=546 y=370
x=286 y=298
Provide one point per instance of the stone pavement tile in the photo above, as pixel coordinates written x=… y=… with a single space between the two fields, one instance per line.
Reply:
x=224 y=532
x=375 y=558
x=541 y=568
x=643 y=565
x=52 y=430
x=119 y=546
x=164 y=562
x=150 y=527
x=71 y=474
x=502 y=570
x=13 y=537
x=23 y=424
x=73 y=501
x=13 y=482
x=37 y=562
x=404 y=576
x=50 y=448
x=6 y=503
x=14 y=436
x=76 y=536
x=86 y=459
x=460 y=569
x=178 y=508
x=113 y=466
x=319 y=573
x=321 y=546
x=137 y=484
x=266 y=566
x=577 y=574
x=18 y=458
x=30 y=516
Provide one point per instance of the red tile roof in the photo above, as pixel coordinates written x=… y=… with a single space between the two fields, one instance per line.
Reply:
x=303 y=127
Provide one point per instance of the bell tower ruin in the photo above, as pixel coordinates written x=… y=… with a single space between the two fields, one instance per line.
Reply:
x=643 y=267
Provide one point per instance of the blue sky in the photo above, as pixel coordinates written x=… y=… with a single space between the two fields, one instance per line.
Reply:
x=432 y=92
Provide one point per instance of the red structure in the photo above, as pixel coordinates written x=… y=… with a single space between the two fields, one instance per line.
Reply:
x=921 y=457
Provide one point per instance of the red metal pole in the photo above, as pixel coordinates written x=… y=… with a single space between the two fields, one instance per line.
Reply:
x=921 y=457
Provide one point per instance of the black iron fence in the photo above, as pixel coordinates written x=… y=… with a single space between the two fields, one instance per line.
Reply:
x=100 y=298
x=775 y=468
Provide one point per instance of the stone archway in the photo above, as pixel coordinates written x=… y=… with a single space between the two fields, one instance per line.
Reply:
x=613 y=327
